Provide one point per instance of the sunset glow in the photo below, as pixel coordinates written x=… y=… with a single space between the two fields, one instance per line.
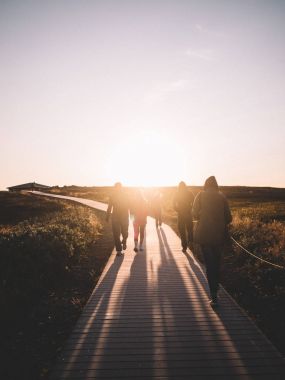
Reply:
x=148 y=93
x=146 y=158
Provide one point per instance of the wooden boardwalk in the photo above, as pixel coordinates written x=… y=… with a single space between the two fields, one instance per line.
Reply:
x=149 y=318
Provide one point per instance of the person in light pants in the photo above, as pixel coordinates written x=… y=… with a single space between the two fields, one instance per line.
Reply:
x=140 y=212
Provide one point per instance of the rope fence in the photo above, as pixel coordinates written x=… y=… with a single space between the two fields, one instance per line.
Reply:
x=256 y=257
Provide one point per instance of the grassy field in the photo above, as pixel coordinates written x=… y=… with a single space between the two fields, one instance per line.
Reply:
x=259 y=225
x=51 y=255
x=52 y=252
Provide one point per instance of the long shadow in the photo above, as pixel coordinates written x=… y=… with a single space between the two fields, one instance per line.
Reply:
x=179 y=311
x=128 y=346
x=222 y=342
x=196 y=332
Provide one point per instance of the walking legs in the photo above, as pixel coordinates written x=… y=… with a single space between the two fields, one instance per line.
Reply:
x=120 y=227
x=116 y=227
x=212 y=258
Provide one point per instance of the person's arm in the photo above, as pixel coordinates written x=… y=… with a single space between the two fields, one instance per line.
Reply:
x=109 y=209
x=196 y=207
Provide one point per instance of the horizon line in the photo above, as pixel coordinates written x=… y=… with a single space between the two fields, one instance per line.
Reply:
x=155 y=186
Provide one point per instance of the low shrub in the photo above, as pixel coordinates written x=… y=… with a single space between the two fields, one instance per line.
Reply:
x=265 y=239
x=38 y=256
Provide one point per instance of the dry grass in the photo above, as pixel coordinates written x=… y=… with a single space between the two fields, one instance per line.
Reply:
x=50 y=260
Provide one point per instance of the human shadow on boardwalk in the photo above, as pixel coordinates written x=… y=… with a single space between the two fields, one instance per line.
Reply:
x=87 y=334
x=200 y=341
x=180 y=308
x=128 y=346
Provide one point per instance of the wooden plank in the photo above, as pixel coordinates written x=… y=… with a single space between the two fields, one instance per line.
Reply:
x=173 y=373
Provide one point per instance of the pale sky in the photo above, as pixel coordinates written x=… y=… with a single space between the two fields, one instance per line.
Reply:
x=144 y=92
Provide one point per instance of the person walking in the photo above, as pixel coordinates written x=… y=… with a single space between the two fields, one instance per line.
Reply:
x=140 y=212
x=156 y=208
x=182 y=204
x=118 y=207
x=212 y=212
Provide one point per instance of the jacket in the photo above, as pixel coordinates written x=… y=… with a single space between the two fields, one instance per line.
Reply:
x=183 y=202
x=140 y=211
x=118 y=206
x=212 y=213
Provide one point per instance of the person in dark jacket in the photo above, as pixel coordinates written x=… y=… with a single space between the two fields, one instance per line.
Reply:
x=212 y=212
x=118 y=207
x=182 y=204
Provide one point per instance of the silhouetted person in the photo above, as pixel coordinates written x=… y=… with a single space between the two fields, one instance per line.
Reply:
x=212 y=212
x=156 y=208
x=140 y=212
x=182 y=204
x=119 y=208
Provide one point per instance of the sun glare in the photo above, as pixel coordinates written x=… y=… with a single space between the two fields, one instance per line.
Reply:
x=147 y=158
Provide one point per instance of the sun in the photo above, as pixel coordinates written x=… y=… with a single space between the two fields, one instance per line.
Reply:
x=147 y=158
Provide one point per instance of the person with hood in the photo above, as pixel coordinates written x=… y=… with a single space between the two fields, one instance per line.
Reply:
x=118 y=207
x=182 y=204
x=212 y=213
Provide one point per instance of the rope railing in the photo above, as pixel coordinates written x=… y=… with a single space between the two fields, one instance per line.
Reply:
x=256 y=257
